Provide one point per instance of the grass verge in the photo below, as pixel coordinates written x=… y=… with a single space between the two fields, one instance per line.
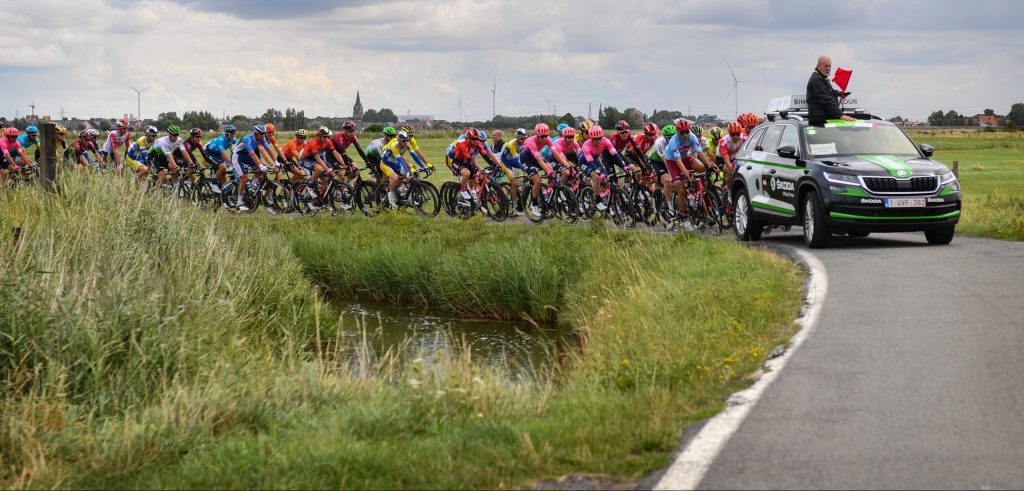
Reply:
x=216 y=387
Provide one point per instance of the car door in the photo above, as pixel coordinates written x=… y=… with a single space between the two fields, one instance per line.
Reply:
x=748 y=167
x=773 y=199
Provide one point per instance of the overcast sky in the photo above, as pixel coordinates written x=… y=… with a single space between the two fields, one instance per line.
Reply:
x=241 y=57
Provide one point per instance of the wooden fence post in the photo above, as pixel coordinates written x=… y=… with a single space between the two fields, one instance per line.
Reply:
x=956 y=168
x=48 y=154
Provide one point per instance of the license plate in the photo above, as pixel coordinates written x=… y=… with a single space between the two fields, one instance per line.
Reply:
x=905 y=203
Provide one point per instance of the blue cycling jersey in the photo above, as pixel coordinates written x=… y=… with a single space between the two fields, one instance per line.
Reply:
x=677 y=147
x=220 y=144
x=249 y=144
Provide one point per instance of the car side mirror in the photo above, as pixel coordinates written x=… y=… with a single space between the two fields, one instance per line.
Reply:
x=926 y=149
x=786 y=152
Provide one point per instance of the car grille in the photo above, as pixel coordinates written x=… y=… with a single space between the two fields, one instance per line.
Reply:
x=925 y=184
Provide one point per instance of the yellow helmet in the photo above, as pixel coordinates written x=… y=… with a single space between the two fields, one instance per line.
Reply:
x=585 y=125
x=60 y=129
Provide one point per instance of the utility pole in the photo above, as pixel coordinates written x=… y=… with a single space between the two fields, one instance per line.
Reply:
x=33 y=106
x=549 y=104
x=62 y=114
x=589 y=109
x=494 y=94
x=138 y=102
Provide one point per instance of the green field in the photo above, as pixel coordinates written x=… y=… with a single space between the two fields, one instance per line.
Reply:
x=991 y=176
x=146 y=344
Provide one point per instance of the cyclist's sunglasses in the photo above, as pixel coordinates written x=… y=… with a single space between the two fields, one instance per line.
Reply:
x=300 y=137
x=735 y=135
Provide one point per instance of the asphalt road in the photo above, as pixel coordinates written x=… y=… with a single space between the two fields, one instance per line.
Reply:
x=913 y=378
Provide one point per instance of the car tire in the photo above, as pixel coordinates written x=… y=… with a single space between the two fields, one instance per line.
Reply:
x=746 y=227
x=940 y=236
x=816 y=229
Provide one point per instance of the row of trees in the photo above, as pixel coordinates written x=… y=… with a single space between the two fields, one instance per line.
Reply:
x=953 y=118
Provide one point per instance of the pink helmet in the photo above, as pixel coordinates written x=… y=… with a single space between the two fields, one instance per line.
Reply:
x=542 y=129
x=12 y=132
x=569 y=132
x=595 y=132
x=651 y=129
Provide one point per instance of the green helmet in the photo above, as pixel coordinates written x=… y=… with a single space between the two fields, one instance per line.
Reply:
x=173 y=129
x=390 y=131
x=668 y=131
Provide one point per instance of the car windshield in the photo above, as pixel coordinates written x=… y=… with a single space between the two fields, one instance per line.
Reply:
x=857 y=138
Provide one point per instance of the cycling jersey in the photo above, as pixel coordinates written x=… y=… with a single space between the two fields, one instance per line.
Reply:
x=567 y=148
x=218 y=145
x=375 y=148
x=342 y=140
x=249 y=146
x=466 y=150
x=315 y=147
x=82 y=146
x=677 y=147
x=189 y=147
x=532 y=147
x=9 y=149
x=139 y=150
x=393 y=150
x=591 y=150
x=164 y=146
x=114 y=141
x=292 y=149
x=644 y=144
x=393 y=161
x=31 y=147
x=727 y=145
x=657 y=151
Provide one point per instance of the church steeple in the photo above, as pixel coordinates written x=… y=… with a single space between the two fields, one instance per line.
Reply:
x=357 y=109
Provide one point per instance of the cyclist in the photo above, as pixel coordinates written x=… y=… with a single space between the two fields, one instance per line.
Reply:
x=30 y=141
x=464 y=162
x=376 y=148
x=60 y=146
x=313 y=157
x=116 y=138
x=163 y=154
x=411 y=144
x=342 y=140
x=193 y=143
x=509 y=156
x=642 y=144
x=530 y=158
x=679 y=161
x=290 y=153
x=85 y=148
x=565 y=151
x=10 y=150
x=657 y=159
x=394 y=166
x=597 y=148
x=622 y=139
x=583 y=134
x=138 y=152
x=748 y=121
x=415 y=147
x=250 y=155
x=272 y=141
x=727 y=148
x=218 y=153
x=714 y=136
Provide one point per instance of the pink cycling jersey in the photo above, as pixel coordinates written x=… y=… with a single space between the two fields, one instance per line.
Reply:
x=592 y=151
x=564 y=146
x=729 y=145
x=534 y=147
x=8 y=147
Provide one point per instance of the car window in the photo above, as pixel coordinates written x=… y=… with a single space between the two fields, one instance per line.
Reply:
x=752 y=141
x=771 y=139
x=858 y=138
x=790 y=137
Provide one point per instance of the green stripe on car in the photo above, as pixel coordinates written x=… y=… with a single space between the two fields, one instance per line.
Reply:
x=894 y=165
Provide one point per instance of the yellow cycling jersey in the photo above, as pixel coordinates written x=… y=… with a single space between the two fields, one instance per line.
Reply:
x=392 y=147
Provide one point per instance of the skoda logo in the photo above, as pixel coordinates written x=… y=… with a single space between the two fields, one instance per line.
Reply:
x=901 y=173
x=773 y=184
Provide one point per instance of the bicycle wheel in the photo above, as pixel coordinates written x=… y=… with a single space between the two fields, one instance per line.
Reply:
x=695 y=212
x=229 y=194
x=721 y=202
x=644 y=207
x=495 y=202
x=184 y=190
x=424 y=199
x=302 y=196
x=449 y=193
x=207 y=198
x=586 y=202
x=341 y=199
x=712 y=215
x=619 y=209
x=364 y=197
x=565 y=204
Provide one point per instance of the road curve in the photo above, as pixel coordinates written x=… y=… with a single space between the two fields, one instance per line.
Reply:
x=913 y=377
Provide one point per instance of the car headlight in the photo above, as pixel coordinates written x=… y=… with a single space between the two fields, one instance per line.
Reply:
x=844 y=179
x=947 y=178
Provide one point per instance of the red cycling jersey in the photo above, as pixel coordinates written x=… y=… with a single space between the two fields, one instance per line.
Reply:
x=342 y=140
x=82 y=146
x=468 y=149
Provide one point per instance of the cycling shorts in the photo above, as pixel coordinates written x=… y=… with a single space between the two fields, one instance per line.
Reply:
x=394 y=168
x=673 y=169
x=242 y=164
x=659 y=168
x=529 y=164
x=458 y=165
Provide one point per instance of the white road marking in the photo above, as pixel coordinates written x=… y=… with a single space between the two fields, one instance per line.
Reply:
x=690 y=466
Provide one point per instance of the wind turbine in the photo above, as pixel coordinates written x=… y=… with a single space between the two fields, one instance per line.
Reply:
x=494 y=94
x=138 y=108
x=736 y=88
x=33 y=106
x=459 y=107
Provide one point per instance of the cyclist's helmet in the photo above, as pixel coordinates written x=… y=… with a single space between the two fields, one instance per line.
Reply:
x=301 y=133
x=542 y=129
x=122 y=123
x=93 y=133
x=82 y=135
x=390 y=130
x=31 y=130
x=748 y=120
x=195 y=132
x=715 y=133
x=569 y=132
x=621 y=125
x=173 y=129
x=561 y=127
x=403 y=136
x=521 y=133
x=472 y=134
x=735 y=128
x=323 y=131
x=682 y=125
x=348 y=126
x=259 y=129
x=483 y=135
x=585 y=126
x=668 y=131
x=151 y=130
x=270 y=128
x=230 y=129
x=650 y=129
x=11 y=132
x=408 y=130
x=595 y=132
x=60 y=129
x=697 y=130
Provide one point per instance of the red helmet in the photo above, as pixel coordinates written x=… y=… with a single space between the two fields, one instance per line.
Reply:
x=472 y=134
x=195 y=132
x=12 y=132
x=595 y=132
x=735 y=127
x=622 y=125
x=542 y=129
x=748 y=119
x=651 y=129
x=349 y=125
x=569 y=132
x=682 y=125
x=122 y=123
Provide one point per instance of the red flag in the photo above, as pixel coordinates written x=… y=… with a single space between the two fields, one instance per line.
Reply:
x=842 y=78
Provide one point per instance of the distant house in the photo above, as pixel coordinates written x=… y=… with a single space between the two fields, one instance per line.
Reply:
x=988 y=120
